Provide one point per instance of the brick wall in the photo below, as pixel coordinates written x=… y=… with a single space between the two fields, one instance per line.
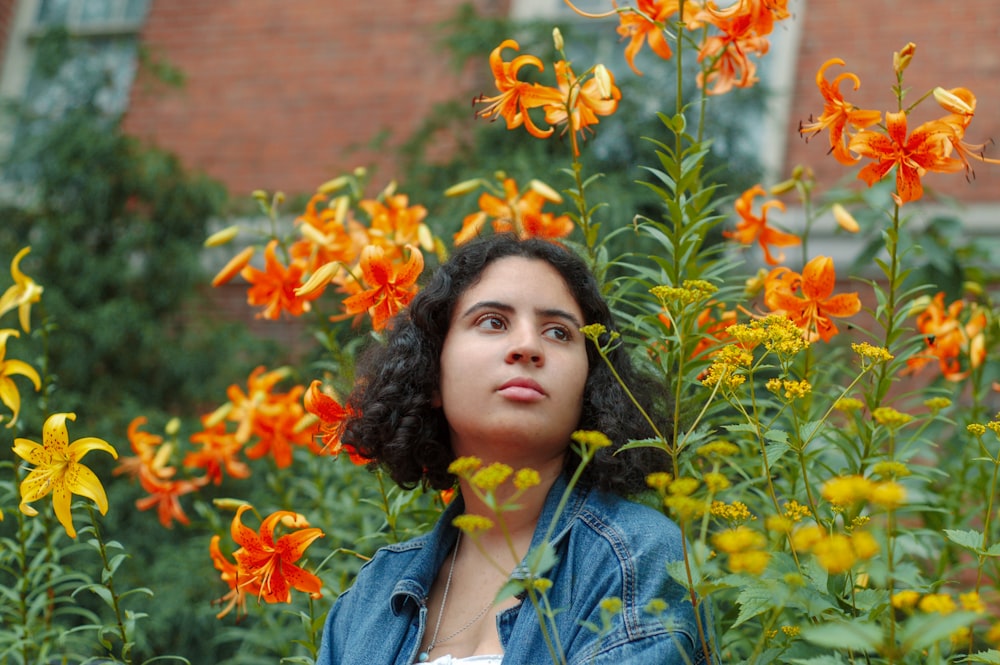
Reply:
x=955 y=47
x=285 y=95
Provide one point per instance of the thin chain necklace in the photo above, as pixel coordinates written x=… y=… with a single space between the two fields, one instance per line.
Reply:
x=426 y=653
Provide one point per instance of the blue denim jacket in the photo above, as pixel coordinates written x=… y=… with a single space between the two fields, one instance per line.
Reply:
x=606 y=546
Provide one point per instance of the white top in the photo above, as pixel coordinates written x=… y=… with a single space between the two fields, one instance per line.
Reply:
x=476 y=660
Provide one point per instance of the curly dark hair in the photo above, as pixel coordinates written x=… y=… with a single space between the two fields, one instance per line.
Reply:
x=398 y=427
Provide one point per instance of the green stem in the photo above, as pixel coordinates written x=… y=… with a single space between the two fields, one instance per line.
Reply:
x=126 y=655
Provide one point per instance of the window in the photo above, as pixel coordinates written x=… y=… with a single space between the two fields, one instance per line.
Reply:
x=63 y=54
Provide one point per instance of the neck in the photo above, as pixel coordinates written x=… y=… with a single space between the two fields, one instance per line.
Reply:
x=513 y=528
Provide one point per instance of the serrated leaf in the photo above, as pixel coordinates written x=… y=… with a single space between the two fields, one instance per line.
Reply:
x=753 y=600
x=969 y=539
x=923 y=630
x=854 y=635
x=991 y=657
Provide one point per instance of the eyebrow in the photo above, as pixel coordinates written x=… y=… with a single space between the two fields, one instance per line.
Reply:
x=547 y=312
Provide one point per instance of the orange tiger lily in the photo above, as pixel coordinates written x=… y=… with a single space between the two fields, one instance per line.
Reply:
x=390 y=287
x=331 y=416
x=645 y=25
x=266 y=565
x=949 y=340
x=925 y=149
x=580 y=105
x=219 y=453
x=274 y=287
x=230 y=574
x=753 y=228
x=838 y=113
x=516 y=96
x=810 y=311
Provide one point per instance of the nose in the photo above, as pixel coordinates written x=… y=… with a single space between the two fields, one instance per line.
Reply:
x=525 y=347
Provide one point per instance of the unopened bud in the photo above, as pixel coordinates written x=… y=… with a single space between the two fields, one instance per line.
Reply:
x=973 y=288
x=260 y=195
x=783 y=187
x=222 y=237
x=463 y=188
x=604 y=83
x=218 y=415
x=557 y=39
x=313 y=235
x=228 y=504
x=845 y=220
x=545 y=191
x=951 y=102
x=333 y=185
x=173 y=426
x=425 y=237
x=319 y=279
x=901 y=59
x=360 y=172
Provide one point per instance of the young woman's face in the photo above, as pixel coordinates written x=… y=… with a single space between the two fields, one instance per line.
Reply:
x=514 y=365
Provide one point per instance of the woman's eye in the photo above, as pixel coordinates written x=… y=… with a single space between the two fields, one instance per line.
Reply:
x=559 y=333
x=491 y=322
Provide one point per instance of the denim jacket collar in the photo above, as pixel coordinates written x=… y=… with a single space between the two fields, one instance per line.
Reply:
x=415 y=583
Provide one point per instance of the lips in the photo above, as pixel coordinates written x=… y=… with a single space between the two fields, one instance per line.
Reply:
x=522 y=390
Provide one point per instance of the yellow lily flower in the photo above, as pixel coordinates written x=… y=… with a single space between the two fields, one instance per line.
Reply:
x=9 y=394
x=22 y=294
x=58 y=470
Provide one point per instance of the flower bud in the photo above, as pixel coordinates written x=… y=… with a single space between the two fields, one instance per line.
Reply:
x=603 y=78
x=845 y=220
x=545 y=191
x=463 y=188
x=228 y=504
x=173 y=426
x=557 y=39
x=951 y=102
x=319 y=279
x=222 y=237
x=333 y=185
x=901 y=59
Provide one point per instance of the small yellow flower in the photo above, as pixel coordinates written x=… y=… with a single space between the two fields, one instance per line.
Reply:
x=718 y=448
x=795 y=511
x=591 y=440
x=23 y=294
x=995 y=426
x=489 y=478
x=890 y=469
x=683 y=486
x=778 y=524
x=905 y=600
x=594 y=331
x=937 y=403
x=541 y=584
x=848 y=404
x=835 y=553
x=993 y=634
x=740 y=539
x=846 y=490
x=464 y=466
x=864 y=544
x=753 y=562
x=876 y=354
x=790 y=631
x=659 y=481
x=685 y=507
x=715 y=482
x=976 y=429
x=805 y=538
x=526 y=478
x=937 y=602
x=890 y=417
x=612 y=605
x=783 y=336
x=656 y=607
x=971 y=602
x=737 y=511
x=472 y=525
x=888 y=494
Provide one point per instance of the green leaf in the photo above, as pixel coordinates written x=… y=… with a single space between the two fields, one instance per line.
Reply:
x=969 y=539
x=854 y=635
x=922 y=630
x=991 y=657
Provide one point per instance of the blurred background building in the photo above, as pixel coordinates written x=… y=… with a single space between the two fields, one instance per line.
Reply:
x=285 y=94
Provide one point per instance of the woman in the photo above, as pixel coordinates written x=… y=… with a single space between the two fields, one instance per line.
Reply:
x=489 y=361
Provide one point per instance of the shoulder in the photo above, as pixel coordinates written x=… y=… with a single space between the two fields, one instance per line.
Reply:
x=637 y=526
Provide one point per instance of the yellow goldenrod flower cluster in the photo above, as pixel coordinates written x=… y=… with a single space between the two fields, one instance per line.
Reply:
x=728 y=361
x=465 y=466
x=591 y=440
x=526 y=478
x=835 y=552
x=745 y=548
x=788 y=388
x=472 y=525
x=489 y=478
x=718 y=448
x=937 y=403
x=890 y=469
x=845 y=491
x=847 y=404
x=890 y=417
x=715 y=481
x=690 y=291
x=736 y=511
x=876 y=354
